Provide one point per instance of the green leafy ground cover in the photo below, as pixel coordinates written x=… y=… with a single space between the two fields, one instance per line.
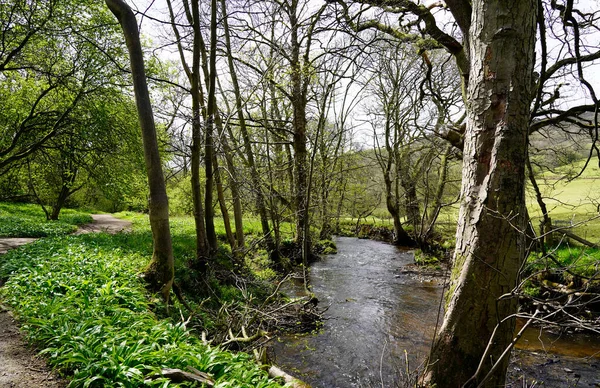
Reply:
x=29 y=220
x=80 y=300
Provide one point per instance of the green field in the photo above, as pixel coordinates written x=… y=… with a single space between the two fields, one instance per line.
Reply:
x=572 y=202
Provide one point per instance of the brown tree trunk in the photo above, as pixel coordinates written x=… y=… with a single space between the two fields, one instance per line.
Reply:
x=254 y=175
x=235 y=194
x=223 y=207
x=490 y=243
x=160 y=271
x=202 y=248
x=209 y=150
x=298 y=100
x=439 y=193
x=411 y=201
x=400 y=235
x=198 y=110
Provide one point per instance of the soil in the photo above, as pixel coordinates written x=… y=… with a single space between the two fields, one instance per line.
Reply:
x=20 y=367
x=104 y=223
x=8 y=243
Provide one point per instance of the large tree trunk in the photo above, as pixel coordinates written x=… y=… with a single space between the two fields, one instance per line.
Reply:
x=160 y=271
x=490 y=235
x=298 y=100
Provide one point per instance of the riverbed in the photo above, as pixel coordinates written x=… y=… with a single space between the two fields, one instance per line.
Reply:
x=380 y=321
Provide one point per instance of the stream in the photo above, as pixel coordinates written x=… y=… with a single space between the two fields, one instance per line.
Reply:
x=380 y=322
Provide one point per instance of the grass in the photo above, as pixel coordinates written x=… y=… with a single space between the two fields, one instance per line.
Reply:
x=572 y=202
x=29 y=220
x=568 y=260
x=80 y=300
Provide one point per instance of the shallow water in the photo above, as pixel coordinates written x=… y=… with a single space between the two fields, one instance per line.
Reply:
x=378 y=318
x=374 y=315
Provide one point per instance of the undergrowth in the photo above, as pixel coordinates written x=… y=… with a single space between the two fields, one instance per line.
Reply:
x=80 y=300
x=29 y=220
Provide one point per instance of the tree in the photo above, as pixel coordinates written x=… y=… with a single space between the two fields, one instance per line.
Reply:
x=496 y=63
x=160 y=271
x=411 y=97
x=396 y=109
x=490 y=245
x=198 y=110
x=249 y=153
x=51 y=58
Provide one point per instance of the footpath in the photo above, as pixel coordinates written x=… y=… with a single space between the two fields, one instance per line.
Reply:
x=20 y=366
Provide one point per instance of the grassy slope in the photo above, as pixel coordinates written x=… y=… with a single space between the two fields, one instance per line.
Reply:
x=574 y=201
x=80 y=299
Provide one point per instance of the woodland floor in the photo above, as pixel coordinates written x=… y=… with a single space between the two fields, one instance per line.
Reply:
x=20 y=367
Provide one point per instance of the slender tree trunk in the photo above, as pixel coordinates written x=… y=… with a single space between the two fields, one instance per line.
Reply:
x=400 y=235
x=66 y=190
x=439 y=193
x=160 y=271
x=235 y=194
x=411 y=201
x=546 y=224
x=209 y=147
x=298 y=100
x=490 y=243
x=198 y=111
x=254 y=175
x=223 y=207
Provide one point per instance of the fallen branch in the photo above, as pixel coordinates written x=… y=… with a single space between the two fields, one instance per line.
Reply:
x=244 y=338
x=289 y=379
x=575 y=237
x=180 y=376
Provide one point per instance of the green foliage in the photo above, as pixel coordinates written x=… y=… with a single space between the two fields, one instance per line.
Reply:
x=578 y=260
x=260 y=265
x=530 y=289
x=28 y=220
x=80 y=299
x=180 y=197
x=325 y=247
x=425 y=259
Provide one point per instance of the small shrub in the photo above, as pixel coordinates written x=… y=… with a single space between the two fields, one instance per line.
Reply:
x=325 y=247
x=424 y=259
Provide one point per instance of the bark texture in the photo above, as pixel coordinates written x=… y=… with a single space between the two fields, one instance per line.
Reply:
x=492 y=219
x=160 y=271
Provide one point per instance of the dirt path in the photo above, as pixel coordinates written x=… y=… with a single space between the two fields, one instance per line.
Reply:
x=104 y=223
x=7 y=243
x=20 y=367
